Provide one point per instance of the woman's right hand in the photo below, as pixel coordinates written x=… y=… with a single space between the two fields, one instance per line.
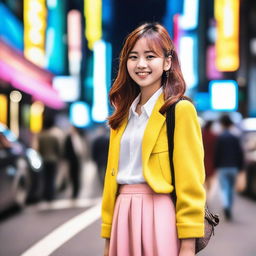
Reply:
x=106 y=249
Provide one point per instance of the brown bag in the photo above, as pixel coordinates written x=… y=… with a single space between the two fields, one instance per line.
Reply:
x=210 y=220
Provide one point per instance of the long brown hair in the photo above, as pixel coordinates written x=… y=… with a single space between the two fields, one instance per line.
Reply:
x=124 y=90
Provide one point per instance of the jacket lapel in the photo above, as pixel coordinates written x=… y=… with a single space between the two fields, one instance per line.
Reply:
x=152 y=130
x=154 y=125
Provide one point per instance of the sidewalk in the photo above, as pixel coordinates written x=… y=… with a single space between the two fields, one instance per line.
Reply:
x=236 y=238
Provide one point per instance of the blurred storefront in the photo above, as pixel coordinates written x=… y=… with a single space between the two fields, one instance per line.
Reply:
x=30 y=82
x=25 y=88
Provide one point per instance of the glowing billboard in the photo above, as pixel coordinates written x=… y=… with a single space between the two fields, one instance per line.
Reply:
x=79 y=114
x=227 y=44
x=93 y=21
x=34 y=30
x=100 y=96
x=224 y=95
x=188 y=59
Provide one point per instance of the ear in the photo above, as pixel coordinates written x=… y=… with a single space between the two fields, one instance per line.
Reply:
x=167 y=63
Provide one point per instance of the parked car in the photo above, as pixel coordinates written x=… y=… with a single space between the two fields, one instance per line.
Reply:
x=249 y=143
x=20 y=171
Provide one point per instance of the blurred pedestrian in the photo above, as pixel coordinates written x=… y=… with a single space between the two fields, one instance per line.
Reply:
x=49 y=148
x=228 y=161
x=74 y=148
x=100 y=151
x=138 y=214
x=209 y=141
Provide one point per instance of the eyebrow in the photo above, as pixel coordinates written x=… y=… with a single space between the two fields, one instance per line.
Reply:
x=134 y=52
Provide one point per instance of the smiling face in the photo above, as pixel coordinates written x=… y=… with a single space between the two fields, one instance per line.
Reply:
x=145 y=66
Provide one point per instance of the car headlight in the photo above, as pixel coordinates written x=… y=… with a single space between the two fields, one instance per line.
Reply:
x=34 y=159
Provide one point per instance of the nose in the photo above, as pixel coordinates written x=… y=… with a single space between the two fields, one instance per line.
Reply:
x=142 y=63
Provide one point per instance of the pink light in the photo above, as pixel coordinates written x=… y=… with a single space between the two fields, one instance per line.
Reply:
x=74 y=31
x=38 y=89
x=176 y=30
x=211 y=70
x=15 y=59
x=74 y=42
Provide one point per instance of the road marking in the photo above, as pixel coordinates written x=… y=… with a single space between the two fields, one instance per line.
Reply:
x=62 y=204
x=62 y=234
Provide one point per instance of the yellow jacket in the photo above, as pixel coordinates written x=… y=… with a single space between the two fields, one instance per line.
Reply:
x=188 y=162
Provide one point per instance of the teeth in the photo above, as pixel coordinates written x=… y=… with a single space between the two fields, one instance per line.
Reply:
x=142 y=73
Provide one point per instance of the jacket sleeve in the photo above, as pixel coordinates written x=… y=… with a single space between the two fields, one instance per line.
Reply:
x=188 y=158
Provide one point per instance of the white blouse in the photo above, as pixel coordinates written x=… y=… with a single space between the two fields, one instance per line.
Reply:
x=130 y=160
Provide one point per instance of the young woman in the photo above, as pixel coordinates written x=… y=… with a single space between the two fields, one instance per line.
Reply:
x=138 y=214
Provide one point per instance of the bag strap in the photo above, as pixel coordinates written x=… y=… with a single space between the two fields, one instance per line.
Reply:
x=170 y=122
x=213 y=219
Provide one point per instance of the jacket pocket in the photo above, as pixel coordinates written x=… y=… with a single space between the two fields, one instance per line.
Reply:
x=160 y=147
x=164 y=163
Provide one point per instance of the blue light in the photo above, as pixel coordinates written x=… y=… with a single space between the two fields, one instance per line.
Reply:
x=202 y=101
x=52 y=4
x=79 y=114
x=224 y=95
x=188 y=59
x=11 y=28
x=56 y=53
x=172 y=8
x=189 y=19
x=107 y=12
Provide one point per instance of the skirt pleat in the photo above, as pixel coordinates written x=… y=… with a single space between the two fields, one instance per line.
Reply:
x=144 y=223
x=135 y=221
x=148 y=244
x=122 y=226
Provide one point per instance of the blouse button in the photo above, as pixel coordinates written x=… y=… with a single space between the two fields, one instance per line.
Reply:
x=113 y=172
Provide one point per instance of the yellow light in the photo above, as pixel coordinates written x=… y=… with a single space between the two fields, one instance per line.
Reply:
x=34 y=30
x=3 y=109
x=35 y=37
x=93 y=20
x=227 y=44
x=36 y=116
x=36 y=53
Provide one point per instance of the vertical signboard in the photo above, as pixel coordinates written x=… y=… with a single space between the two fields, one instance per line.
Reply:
x=93 y=21
x=34 y=30
x=227 y=44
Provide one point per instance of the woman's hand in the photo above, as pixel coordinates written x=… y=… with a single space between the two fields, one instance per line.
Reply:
x=187 y=247
x=106 y=249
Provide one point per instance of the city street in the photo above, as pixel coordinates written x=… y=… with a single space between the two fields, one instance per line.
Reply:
x=63 y=227
x=86 y=84
x=66 y=228
x=236 y=238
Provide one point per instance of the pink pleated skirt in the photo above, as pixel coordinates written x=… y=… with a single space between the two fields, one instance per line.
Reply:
x=144 y=223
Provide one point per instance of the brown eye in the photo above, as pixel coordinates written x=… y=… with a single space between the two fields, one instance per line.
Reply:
x=132 y=57
x=149 y=57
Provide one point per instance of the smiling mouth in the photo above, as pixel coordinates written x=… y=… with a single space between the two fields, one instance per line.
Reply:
x=142 y=74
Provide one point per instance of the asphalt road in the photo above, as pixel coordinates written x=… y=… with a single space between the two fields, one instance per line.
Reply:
x=235 y=238
x=72 y=228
